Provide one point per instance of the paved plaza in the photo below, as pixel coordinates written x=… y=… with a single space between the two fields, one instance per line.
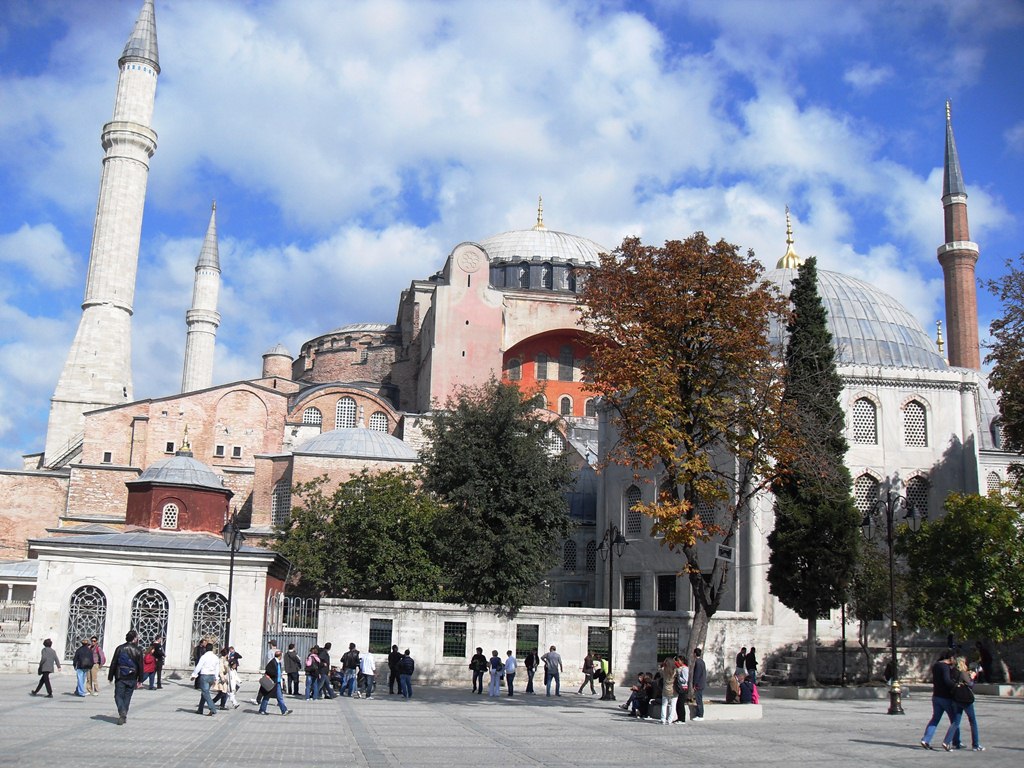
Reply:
x=452 y=727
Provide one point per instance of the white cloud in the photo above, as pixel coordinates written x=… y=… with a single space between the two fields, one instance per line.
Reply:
x=1014 y=138
x=41 y=252
x=866 y=77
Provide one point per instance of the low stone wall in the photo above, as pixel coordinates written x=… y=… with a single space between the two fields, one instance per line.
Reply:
x=16 y=655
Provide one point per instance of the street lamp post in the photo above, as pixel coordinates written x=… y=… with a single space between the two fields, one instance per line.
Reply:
x=233 y=538
x=611 y=546
x=889 y=507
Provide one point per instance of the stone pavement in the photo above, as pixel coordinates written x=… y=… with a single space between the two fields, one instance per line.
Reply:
x=453 y=727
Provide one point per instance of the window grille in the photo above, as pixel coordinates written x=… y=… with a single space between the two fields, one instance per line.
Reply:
x=569 y=555
x=87 y=616
x=706 y=513
x=668 y=642
x=209 y=618
x=555 y=442
x=865 y=422
x=667 y=593
x=169 y=516
x=546 y=276
x=524 y=276
x=281 y=503
x=236 y=451
x=590 y=409
x=379 y=422
x=542 y=366
x=527 y=638
x=994 y=484
x=915 y=433
x=149 y=616
x=631 y=593
x=515 y=369
x=591 y=556
x=218 y=452
x=380 y=636
x=565 y=364
x=634 y=518
x=997 y=434
x=570 y=280
x=865 y=494
x=565 y=406
x=345 y=413
x=313 y=417
x=597 y=641
x=454 y=639
x=917 y=495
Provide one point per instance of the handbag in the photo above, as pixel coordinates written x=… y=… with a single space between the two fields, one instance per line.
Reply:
x=267 y=684
x=962 y=694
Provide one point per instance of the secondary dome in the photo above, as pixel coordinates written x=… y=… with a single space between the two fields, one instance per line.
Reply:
x=181 y=469
x=360 y=443
x=868 y=326
x=542 y=244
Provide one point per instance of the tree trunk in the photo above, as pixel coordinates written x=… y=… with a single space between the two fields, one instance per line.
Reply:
x=862 y=641
x=812 y=653
x=698 y=631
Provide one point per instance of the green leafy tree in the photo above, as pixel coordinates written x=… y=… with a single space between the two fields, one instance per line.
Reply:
x=487 y=460
x=814 y=542
x=1007 y=356
x=966 y=569
x=371 y=538
x=869 y=593
x=683 y=362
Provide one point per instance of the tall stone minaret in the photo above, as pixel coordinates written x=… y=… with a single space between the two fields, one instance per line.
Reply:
x=202 y=320
x=97 y=371
x=958 y=255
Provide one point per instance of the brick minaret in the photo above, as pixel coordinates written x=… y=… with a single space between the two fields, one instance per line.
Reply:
x=958 y=255
x=202 y=320
x=98 y=371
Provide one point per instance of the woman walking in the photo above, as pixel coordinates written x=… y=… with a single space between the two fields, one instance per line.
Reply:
x=963 y=702
x=588 y=675
x=942 y=695
x=47 y=662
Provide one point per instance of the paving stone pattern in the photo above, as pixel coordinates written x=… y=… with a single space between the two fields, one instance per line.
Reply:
x=453 y=727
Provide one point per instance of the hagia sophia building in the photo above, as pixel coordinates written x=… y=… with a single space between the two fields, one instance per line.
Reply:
x=117 y=522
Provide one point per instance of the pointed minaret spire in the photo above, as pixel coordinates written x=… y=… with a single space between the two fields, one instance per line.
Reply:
x=958 y=256
x=98 y=369
x=540 y=213
x=790 y=259
x=202 y=320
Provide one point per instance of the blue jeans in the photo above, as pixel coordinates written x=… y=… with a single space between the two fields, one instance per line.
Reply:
x=348 y=685
x=280 y=699
x=698 y=698
x=81 y=673
x=553 y=678
x=205 y=681
x=369 y=685
x=313 y=686
x=123 y=690
x=509 y=677
x=405 y=685
x=325 y=685
x=151 y=677
x=478 y=681
x=529 y=679
x=969 y=711
x=940 y=706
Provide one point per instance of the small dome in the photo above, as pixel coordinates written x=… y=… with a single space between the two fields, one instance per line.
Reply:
x=181 y=469
x=359 y=443
x=278 y=350
x=544 y=245
x=868 y=326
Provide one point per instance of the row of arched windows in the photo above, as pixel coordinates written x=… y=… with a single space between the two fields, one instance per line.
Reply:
x=570 y=553
x=864 y=423
x=345 y=416
x=867 y=493
x=87 y=616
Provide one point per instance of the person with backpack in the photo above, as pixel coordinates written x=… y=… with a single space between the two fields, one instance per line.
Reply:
x=292 y=665
x=313 y=674
x=125 y=673
x=406 y=666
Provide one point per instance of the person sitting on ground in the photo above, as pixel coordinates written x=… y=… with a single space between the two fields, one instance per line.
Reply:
x=337 y=679
x=732 y=688
x=747 y=690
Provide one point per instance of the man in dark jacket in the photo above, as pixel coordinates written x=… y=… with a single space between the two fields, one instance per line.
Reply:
x=350 y=668
x=292 y=665
x=125 y=673
x=325 y=671
x=393 y=658
x=160 y=656
x=698 y=682
x=406 y=666
x=82 y=664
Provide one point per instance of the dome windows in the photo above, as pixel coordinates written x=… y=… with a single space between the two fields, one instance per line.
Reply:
x=865 y=422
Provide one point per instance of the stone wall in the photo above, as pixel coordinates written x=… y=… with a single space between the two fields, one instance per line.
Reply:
x=32 y=503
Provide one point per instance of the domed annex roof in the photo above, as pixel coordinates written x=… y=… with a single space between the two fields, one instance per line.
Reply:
x=359 y=443
x=181 y=469
x=361 y=328
x=542 y=244
x=868 y=326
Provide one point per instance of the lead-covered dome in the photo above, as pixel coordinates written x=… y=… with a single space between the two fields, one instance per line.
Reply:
x=360 y=443
x=181 y=469
x=868 y=326
x=542 y=244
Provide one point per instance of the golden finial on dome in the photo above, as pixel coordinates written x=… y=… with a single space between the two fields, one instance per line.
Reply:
x=540 y=213
x=789 y=260
x=938 y=336
x=185 y=445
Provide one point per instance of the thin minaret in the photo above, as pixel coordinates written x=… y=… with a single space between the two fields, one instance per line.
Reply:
x=958 y=256
x=97 y=371
x=202 y=320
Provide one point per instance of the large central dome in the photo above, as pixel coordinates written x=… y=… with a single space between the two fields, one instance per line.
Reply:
x=868 y=326
x=542 y=244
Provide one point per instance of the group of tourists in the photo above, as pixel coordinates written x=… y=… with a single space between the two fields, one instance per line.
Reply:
x=356 y=677
x=502 y=671
x=670 y=690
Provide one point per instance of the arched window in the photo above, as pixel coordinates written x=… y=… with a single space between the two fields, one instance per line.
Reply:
x=524 y=275
x=865 y=422
x=565 y=406
x=515 y=369
x=542 y=366
x=706 y=513
x=917 y=495
x=994 y=485
x=379 y=422
x=345 y=413
x=997 y=434
x=565 y=363
x=546 y=278
x=915 y=429
x=149 y=616
x=87 y=616
x=570 y=280
x=569 y=555
x=281 y=503
x=634 y=517
x=590 y=408
x=591 y=556
x=865 y=494
x=209 y=617
x=313 y=417
x=169 y=517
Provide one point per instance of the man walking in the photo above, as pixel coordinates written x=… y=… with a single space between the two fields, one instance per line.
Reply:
x=82 y=663
x=292 y=665
x=368 y=668
x=126 y=673
x=698 y=682
x=275 y=672
x=206 y=672
x=406 y=666
x=325 y=671
x=160 y=656
x=350 y=666
x=92 y=684
x=552 y=670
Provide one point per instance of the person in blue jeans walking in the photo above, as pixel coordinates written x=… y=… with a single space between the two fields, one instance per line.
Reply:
x=82 y=663
x=552 y=670
x=961 y=708
x=406 y=666
x=206 y=671
x=942 y=695
x=275 y=671
x=313 y=674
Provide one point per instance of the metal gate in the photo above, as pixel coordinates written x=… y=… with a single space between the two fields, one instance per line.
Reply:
x=291 y=620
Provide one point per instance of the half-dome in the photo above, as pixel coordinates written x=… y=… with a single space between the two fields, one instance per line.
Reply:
x=868 y=326
x=542 y=244
x=181 y=469
x=358 y=443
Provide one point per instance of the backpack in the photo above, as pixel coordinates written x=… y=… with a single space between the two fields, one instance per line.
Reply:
x=126 y=664
x=312 y=665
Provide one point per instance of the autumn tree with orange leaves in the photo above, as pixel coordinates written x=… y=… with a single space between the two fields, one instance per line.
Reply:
x=684 y=365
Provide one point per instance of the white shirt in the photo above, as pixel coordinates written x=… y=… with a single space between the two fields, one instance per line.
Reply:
x=510 y=665
x=208 y=664
x=366 y=663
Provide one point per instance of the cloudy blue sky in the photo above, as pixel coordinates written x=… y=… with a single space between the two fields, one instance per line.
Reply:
x=351 y=145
